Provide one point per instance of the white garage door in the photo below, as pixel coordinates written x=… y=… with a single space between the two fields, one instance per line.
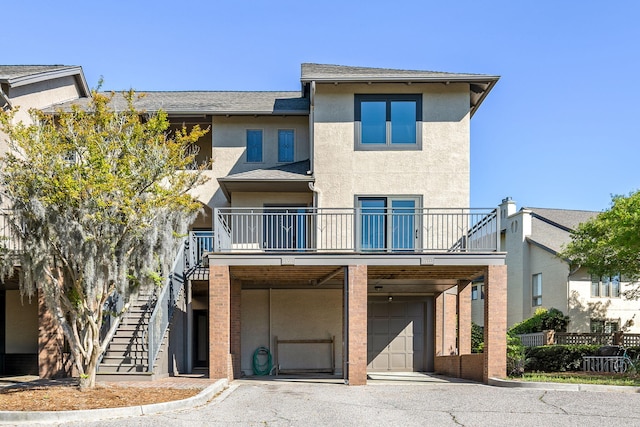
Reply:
x=395 y=336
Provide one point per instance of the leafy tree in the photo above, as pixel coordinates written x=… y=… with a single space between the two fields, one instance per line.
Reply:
x=610 y=243
x=542 y=320
x=98 y=197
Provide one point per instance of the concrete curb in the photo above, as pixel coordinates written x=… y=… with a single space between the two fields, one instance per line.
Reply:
x=498 y=382
x=22 y=417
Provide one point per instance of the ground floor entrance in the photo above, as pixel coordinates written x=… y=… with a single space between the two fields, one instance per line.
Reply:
x=400 y=334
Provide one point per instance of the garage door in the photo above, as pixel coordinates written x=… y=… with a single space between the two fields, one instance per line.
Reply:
x=395 y=336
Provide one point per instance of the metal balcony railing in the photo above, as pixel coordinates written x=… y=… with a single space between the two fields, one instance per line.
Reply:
x=355 y=230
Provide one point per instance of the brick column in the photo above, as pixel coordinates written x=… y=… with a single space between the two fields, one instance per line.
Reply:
x=220 y=302
x=236 y=288
x=50 y=343
x=495 y=322
x=357 y=324
x=445 y=324
x=464 y=317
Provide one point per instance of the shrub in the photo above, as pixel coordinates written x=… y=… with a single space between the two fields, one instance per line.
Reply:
x=543 y=319
x=477 y=338
x=515 y=356
x=557 y=358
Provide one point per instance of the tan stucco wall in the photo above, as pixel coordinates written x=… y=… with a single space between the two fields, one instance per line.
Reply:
x=21 y=330
x=229 y=146
x=292 y=314
x=43 y=94
x=583 y=307
x=248 y=200
x=554 y=280
x=439 y=172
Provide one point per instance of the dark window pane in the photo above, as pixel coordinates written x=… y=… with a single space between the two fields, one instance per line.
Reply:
x=285 y=145
x=403 y=122
x=373 y=122
x=254 y=146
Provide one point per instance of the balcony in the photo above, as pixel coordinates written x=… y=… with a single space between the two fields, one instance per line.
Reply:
x=355 y=230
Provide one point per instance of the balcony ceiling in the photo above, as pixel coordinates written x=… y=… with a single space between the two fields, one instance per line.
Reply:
x=391 y=279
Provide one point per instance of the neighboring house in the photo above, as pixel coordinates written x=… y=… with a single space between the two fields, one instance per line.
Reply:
x=24 y=87
x=539 y=278
x=336 y=232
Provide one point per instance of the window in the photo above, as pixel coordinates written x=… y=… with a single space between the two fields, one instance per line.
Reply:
x=474 y=292
x=599 y=326
x=605 y=286
x=536 y=289
x=388 y=223
x=254 y=145
x=285 y=145
x=388 y=122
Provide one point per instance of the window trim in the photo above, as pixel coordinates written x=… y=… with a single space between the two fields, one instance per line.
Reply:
x=246 y=157
x=474 y=292
x=293 y=154
x=536 y=298
x=388 y=145
x=388 y=225
x=605 y=290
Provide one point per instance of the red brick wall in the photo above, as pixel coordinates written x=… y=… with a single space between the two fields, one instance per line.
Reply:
x=220 y=360
x=357 y=305
x=495 y=322
x=447 y=365
x=472 y=367
x=445 y=314
x=464 y=318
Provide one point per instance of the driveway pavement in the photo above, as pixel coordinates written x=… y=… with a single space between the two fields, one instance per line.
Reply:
x=394 y=402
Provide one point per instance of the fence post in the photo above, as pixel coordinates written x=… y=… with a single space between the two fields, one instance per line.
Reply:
x=549 y=337
x=618 y=338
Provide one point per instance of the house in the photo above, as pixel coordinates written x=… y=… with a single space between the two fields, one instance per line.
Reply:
x=539 y=278
x=336 y=237
x=24 y=87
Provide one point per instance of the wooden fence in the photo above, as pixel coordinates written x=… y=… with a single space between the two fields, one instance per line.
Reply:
x=552 y=337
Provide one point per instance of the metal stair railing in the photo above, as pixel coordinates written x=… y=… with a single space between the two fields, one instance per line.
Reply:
x=166 y=303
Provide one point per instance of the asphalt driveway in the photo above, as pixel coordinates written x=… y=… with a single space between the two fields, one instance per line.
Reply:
x=397 y=403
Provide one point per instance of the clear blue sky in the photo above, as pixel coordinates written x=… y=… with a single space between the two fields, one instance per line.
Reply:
x=560 y=130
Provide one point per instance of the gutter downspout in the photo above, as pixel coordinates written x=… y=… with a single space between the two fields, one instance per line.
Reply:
x=312 y=96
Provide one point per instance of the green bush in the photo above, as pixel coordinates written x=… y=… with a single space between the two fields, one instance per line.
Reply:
x=542 y=320
x=557 y=358
x=477 y=338
x=515 y=356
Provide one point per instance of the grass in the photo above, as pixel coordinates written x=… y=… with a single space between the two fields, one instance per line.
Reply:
x=582 y=378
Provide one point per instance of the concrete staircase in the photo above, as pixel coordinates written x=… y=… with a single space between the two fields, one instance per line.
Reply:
x=127 y=356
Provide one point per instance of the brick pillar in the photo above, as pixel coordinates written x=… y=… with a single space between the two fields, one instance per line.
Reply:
x=445 y=325
x=50 y=343
x=464 y=317
x=357 y=325
x=495 y=322
x=220 y=302
x=236 y=288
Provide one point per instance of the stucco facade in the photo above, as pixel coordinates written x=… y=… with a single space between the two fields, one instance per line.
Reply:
x=532 y=238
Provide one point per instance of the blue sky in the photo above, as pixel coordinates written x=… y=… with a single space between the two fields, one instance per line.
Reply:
x=560 y=130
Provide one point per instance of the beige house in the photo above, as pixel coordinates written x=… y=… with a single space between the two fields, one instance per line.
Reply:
x=539 y=278
x=336 y=238
x=24 y=87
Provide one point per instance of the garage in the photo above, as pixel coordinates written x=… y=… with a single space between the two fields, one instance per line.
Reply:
x=399 y=334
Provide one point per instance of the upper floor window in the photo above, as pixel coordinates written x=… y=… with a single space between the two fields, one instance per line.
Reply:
x=536 y=289
x=254 y=145
x=605 y=286
x=599 y=326
x=285 y=145
x=388 y=122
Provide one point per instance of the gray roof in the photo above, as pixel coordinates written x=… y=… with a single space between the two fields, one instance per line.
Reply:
x=319 y=72
x=212 y=102
x=479 y=84
x=550 y=228
x=290 y=177
x=289 y=171
x=19 y=75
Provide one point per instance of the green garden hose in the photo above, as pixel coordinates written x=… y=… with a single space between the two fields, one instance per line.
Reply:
x=264 y=367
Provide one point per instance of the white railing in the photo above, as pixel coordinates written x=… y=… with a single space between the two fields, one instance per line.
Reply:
x=200 y=243
x=533 y=340
x=355 y=230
